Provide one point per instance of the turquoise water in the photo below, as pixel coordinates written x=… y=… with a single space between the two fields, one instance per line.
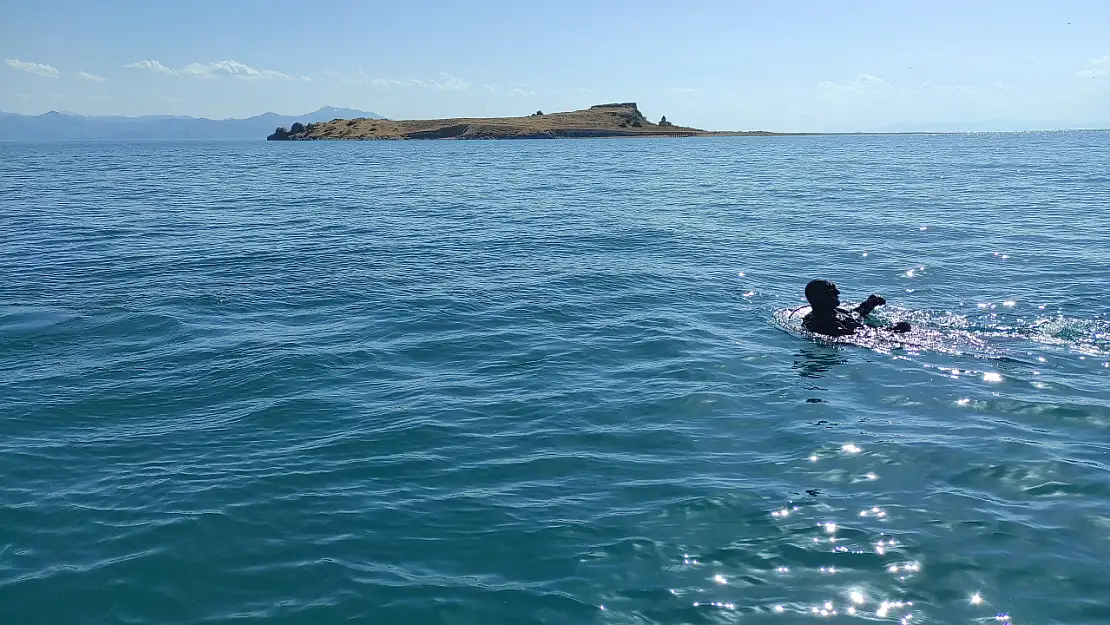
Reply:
x=554 y=382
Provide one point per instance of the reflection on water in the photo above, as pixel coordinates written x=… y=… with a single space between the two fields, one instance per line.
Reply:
x=450 y=383
x=814 y=362
x=830 y=542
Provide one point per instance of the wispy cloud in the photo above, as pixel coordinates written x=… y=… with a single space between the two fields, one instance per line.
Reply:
x=510 y=92
x=232 y=68
x=153 y=66
x=681 y=91
x=380 y=83
x=306 y=78
x=213 y=69
x=21 y=96
x=868 y=90
x=957 y=90
x=90 y=77
x=364 y=79
x=1096 y=68
x=443 y=82
x=861 y=85
x=39 y=69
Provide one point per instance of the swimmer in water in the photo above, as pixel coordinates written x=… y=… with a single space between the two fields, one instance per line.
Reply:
x=825 y=316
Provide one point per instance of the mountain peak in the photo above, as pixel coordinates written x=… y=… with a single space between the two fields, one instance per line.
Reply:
x=337 y=112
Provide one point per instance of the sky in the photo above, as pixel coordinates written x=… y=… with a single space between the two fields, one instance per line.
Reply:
x=799 y=65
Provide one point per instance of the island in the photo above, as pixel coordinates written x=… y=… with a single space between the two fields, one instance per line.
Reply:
x=622 y=119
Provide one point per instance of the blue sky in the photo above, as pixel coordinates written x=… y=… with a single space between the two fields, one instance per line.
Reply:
x=804 y=65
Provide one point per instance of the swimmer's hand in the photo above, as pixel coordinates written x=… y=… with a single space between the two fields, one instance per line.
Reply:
x=873 y=302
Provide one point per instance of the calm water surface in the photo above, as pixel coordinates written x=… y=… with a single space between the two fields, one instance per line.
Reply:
x=554 y=382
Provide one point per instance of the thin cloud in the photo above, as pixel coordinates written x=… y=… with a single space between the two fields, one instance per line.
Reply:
x=861 y=85
x=38 y=69
x=513 y=92
x=447 y=82
x=232 y=68
x=1096 y=68
x=306 y=79
x=153 y=66
x=443 y=82
x=340 y=77
x=21 y=96
x=681 y=91
x=957 y=90
x=90 y=77
x=364 y=79
x=381 y=83
x=865 y=90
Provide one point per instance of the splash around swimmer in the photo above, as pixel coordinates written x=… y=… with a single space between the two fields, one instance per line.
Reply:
x=827 y=318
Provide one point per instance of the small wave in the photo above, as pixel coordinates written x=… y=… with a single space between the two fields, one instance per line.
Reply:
x=957 y=334
x=923 y=337
x=1087 y=336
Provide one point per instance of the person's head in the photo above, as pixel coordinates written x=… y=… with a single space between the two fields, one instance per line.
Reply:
x=822 y=295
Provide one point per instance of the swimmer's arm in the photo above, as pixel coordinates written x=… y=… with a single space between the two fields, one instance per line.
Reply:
x=873 y=302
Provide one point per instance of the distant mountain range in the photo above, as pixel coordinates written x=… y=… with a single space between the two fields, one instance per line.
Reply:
x=55 y=126
x=995 y=125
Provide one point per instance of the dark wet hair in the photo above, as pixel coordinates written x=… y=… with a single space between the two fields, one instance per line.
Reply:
x=817 y=291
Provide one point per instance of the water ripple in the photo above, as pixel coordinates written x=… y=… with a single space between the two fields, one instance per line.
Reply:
x=455 y=383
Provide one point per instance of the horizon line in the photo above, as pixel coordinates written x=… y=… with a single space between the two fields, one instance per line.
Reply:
x=909 y=131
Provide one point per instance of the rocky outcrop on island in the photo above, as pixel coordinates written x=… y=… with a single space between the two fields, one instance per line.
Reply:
x=281 y=134
x=620 y=119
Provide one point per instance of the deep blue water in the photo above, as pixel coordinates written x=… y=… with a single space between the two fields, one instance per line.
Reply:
x=550 y=382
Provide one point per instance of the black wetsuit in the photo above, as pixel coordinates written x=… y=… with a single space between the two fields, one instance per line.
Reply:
x=839 y=322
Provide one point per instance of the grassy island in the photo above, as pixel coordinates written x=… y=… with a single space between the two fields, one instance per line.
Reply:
x=604 y=120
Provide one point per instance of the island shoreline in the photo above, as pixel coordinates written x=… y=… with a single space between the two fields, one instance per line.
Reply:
x=603 y=121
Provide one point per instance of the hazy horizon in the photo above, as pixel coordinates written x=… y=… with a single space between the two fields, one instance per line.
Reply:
x=258 y=114
x=809 y=66
x=924 y=127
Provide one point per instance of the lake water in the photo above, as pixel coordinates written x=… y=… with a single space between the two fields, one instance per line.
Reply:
x=553 y=382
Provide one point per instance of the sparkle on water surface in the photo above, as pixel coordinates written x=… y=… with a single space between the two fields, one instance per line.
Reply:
x=555 y=382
